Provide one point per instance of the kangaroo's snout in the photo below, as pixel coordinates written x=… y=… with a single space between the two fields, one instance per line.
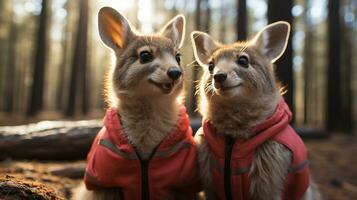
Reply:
x=220 y=77
x=174 y=73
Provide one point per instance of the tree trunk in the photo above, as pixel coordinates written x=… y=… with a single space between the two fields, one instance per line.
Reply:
x=241 y=26
x=207 y=24
x=222 y=25
x=281 y=10
x=346 y=78
x=78 y=84
x=195 y=68
x=8 y=97
x=334 y=114
x=36 y=96
x=66 y=63
x=198 y=15
x=308 y=64
x=5 y=21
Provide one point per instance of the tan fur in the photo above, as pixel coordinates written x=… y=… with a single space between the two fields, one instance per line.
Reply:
x=81 y=193
x=254 y=97
x=204 y=160
x=312 y=192
x=147 y=112
x=156 y=119
x=269 y=169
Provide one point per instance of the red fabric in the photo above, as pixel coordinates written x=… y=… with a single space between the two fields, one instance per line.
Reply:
x=172 y=168
x=275 y=128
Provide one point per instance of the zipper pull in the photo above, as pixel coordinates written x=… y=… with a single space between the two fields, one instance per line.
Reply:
x=230 y=141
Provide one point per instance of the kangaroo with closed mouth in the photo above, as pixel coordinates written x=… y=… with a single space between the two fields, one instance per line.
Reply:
x=246 y=147
x=145 y=149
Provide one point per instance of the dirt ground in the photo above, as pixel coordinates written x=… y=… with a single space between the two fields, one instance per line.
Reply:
x=333 y=164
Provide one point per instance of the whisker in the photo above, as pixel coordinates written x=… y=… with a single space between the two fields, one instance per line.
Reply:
x=244 y=48
x=193 y=64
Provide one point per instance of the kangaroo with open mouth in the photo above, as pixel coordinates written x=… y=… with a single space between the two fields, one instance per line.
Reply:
x=145 y=149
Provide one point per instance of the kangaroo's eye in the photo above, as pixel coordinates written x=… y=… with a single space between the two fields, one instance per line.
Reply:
x=211 y=66
x=243 y=61
x=178 y=58
x=145 y=57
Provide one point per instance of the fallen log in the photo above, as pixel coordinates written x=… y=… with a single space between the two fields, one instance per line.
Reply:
x=71 y=140
x=48 y=140
x=73 y=172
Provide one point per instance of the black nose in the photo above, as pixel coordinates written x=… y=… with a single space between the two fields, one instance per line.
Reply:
x=220 y=78
x=174 y=73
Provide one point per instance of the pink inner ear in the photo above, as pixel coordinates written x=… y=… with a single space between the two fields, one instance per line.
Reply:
x=174 y=30
x=272 y=41
x=180 y=28
x=200 y=49
x=114 y=29
x=204 y=47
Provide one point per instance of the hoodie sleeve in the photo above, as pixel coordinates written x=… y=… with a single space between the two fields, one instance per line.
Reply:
x=192 y=182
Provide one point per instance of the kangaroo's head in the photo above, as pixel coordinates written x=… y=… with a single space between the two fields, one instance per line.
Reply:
x=242 y=71
x=146 y=65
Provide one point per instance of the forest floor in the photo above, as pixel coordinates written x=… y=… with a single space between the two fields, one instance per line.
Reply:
x=333 y=164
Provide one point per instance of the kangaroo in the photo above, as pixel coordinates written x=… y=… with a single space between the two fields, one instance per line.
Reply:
x=145 y=149
x=246 y=147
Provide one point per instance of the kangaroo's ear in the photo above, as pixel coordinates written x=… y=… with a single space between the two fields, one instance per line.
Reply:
x=272 y=40
x=175 y=30
x=203 y=47
x=114 y=29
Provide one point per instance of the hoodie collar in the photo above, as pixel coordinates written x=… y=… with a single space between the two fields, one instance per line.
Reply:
x=114 y=128
x=262 y=132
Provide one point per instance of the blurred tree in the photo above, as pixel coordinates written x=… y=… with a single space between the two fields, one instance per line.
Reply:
x=207 y=22
x=198 y=14
x=62 y=85
x=36 y=96
x=195 y=69
x=4 y=34
x=308 y=64
x=222 y=25
x=314 y=63
x=281 y=10
x=241 y=26
x=202 y=23
x=346 y=39
x=203 y=15
x=10 y=70
x=77 y=100
x=334 y=120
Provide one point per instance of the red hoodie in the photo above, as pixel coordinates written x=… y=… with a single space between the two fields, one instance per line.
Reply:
x=235 y=172
x=114 y=163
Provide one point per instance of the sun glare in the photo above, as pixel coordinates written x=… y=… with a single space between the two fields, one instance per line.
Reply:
x=139 y=12
x=145 y=16
x=122 y=5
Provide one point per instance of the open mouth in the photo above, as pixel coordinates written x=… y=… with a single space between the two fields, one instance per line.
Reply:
x=165 y=87
x=226 y=88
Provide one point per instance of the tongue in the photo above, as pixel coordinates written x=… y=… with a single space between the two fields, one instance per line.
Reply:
x=166 y=86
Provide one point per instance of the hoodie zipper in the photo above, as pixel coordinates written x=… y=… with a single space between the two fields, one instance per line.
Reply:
x=145 y=179
x=227 y=167
x=144 y=165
